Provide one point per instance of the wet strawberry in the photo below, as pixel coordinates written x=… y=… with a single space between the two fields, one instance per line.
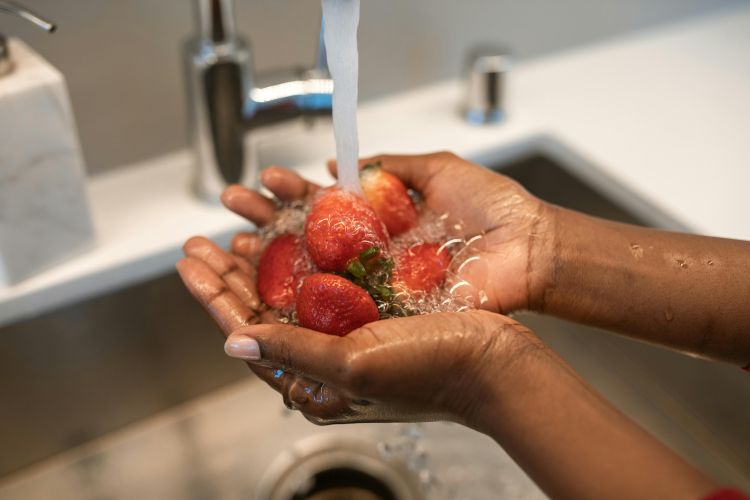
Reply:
x=390 y=199
x=331 y=304
x=421 y=268
x=339 y=227
x=283 y=265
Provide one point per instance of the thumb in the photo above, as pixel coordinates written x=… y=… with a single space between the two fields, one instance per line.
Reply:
x=297 y=350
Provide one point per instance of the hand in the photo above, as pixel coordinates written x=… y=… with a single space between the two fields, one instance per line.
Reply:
x=419 y=368
x=442 y=366
x=515 y=253
x=224 y=282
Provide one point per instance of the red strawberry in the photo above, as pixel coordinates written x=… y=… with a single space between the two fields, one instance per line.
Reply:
x=331 y=304
x=388 y=196
x=283 y=264
x=421 y=268
x=341 y=226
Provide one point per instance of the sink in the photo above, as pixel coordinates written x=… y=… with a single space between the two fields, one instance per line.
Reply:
x=144 y=403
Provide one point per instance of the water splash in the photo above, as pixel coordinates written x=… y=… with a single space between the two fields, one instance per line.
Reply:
x=456 y=295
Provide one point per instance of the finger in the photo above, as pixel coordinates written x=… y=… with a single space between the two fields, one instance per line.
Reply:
x=244 y=266
x=315 y=355
x=287 y=185
x=225 y=308
x=247 y=245
x=325 y=405
x=319 y=403
x=227 y=267
x=299 y=393
x=414 y=170
x=213 y=293
x=249 y=204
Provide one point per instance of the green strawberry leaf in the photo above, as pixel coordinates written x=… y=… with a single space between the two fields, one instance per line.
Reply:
x=371 y=271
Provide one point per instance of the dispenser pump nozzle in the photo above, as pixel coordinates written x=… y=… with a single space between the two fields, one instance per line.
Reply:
x=20 y=11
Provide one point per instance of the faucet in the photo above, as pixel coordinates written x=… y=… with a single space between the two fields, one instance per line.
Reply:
x=229 y=101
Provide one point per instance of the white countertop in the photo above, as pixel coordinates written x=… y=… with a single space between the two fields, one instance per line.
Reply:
x=659 y=119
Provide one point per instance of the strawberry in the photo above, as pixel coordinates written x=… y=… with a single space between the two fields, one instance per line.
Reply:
x=339 y=227
x=421 y=268
x=390 y=199
x=331 y=304
x=283 y=264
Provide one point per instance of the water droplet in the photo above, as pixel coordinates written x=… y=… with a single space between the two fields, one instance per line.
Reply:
x=433 y=227
x=668 y=314
x=637 y=251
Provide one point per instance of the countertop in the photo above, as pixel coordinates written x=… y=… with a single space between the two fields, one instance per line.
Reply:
x=659 y=120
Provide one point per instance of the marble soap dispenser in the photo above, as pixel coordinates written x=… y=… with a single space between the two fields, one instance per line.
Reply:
x=44 y=214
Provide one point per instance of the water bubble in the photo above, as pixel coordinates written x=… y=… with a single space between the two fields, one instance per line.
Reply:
x=668 y=314
x=636 y=250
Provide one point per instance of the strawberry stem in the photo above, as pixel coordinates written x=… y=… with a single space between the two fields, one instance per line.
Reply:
x=369 y=254
x=372 y=272
x=356 y=269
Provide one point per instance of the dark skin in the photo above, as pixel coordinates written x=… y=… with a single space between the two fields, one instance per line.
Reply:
x=480 y=368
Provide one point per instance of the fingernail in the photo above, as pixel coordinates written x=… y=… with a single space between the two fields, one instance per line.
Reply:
x=243 y=348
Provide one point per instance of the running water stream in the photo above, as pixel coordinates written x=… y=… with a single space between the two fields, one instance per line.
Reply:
x=341 y=18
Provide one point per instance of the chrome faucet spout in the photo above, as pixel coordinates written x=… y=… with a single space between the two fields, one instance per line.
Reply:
x=229 y=101
x=289 y=94
x=216 y=20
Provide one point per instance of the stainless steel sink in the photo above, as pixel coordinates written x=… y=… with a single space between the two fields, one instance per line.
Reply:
x=137 y=400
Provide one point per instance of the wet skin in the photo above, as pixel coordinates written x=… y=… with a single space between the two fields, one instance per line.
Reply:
x=483 y=369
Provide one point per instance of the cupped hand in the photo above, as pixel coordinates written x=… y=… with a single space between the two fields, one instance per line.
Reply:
x=441 y=366
x=224 y=282
x=514 y=253
x=517 y=228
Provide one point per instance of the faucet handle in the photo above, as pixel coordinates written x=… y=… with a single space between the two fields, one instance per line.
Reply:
x=17 y=10
x=485 y=86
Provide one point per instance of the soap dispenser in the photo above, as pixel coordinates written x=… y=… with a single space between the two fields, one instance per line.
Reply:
x=44 y=214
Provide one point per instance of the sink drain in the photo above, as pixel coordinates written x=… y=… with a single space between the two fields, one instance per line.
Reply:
x=330 y=468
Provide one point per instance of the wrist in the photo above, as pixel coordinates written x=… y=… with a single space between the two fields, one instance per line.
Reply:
x=545 y=247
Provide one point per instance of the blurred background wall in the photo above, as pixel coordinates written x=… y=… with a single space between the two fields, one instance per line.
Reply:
x=123 y=62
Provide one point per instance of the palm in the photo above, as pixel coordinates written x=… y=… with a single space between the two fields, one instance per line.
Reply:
x=377 y=386
x=507 y=217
